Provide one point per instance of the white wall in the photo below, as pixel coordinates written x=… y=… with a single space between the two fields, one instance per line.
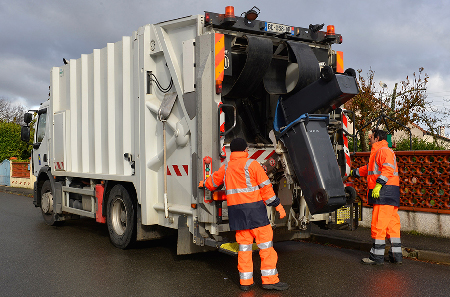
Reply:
x=422 y=222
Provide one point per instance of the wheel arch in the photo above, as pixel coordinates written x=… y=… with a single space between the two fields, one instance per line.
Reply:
x=109 y=184
x=44 y=174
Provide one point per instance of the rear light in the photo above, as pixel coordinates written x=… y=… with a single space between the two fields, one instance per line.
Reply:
x=252 y=14
x=218 y=87
x=219 y=196
x=207 y=18
x=340 y=39
x=330 y=30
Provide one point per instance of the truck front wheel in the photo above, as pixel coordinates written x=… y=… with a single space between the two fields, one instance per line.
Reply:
x=47 y=204
x=121 y=218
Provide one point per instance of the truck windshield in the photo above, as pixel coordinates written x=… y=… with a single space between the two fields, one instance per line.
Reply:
x=41 y=127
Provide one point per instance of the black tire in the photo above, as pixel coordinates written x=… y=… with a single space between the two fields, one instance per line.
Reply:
x=47 y=205
x=121 y=217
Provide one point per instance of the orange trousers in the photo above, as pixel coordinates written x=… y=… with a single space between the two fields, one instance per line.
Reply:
x=385 y=222
x=263 y=237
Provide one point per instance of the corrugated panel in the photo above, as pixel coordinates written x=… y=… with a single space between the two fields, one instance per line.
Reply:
x=96 y=91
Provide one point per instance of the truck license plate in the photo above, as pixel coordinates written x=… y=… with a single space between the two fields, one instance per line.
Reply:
x=277 y=28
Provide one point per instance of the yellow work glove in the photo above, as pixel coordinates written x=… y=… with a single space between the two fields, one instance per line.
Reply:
x=280 y=209
x=376 y=191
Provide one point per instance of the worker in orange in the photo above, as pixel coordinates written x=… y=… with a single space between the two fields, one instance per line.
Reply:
x=384 y=195
x=248 y=191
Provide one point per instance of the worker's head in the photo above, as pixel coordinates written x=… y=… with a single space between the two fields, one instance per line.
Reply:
x=377 y=135
x=238 y=145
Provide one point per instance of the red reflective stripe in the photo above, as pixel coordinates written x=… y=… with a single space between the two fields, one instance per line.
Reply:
x=270 y=155
x=168 y=171
x=257 y=154
x=177 y=171
x=186 y=169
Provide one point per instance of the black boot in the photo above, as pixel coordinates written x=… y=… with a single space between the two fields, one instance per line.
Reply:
x=278 y=286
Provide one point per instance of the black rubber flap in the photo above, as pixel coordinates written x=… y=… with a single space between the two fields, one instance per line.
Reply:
x=308 y=69
x=314 y=163
x=259 y=55
x=318 y=95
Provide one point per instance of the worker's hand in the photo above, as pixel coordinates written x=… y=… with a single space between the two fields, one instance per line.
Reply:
x=280 y=209
x=376 y=191
x=201 y=185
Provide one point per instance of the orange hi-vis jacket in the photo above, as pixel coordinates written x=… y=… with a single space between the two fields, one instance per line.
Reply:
x=248 y=191
x=382 y=169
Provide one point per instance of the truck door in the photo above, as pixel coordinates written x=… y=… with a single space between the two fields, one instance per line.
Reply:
x=40 y=145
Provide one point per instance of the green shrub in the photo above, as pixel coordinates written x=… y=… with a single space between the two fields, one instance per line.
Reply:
x=417 y=145
x=10 y=143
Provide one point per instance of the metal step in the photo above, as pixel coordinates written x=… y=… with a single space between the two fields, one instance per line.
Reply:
x=232 y=248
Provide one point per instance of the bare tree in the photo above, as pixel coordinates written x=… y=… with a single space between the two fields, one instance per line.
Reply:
x=10 y=112
x=405 y=105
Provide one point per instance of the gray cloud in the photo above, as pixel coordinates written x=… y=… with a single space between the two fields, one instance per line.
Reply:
x=394 y=38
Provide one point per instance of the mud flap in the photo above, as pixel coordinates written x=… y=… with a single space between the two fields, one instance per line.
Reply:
x=185 y=243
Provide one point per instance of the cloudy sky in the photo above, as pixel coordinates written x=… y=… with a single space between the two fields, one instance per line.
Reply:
x=393 y=38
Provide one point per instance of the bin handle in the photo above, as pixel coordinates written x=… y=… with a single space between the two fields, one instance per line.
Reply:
x=220 y=134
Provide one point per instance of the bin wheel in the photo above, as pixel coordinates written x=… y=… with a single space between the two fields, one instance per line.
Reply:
x=350 y=194
x=327 y=73
x=121 y=217
x=47 y=205
x=350 y=72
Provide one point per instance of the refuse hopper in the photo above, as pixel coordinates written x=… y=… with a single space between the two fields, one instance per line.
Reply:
x=314 y=163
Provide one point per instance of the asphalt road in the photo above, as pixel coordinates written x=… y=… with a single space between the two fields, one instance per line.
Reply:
x=77 y=259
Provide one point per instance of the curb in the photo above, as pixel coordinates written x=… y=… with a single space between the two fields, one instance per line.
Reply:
x=422 y=255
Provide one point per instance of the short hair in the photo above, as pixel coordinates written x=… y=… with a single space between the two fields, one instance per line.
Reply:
x=238 y=145
x=380 y=134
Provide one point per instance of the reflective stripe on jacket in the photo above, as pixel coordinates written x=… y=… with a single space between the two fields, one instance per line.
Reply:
x=248 y=191
x=382 y=169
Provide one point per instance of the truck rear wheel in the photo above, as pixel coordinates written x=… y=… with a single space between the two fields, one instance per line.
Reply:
x=121 y=218
x=47 y=204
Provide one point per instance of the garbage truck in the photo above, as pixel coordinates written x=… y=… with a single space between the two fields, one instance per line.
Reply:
x=129 y=130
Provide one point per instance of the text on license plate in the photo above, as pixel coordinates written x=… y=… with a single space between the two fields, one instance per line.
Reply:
x=272 y=27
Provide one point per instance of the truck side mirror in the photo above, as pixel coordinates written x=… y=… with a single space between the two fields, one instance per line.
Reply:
x=25 y=133
x=27 y=118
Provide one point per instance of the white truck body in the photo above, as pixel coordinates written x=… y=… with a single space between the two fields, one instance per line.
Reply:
x=104 y=128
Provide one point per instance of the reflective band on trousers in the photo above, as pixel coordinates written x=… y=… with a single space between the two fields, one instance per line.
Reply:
x=395 y=240
x=396 y=249
x=245 y=247
x=380 y=241
x=245 y=275
x=265 y=245
x=268 y=272
x=377 y=251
